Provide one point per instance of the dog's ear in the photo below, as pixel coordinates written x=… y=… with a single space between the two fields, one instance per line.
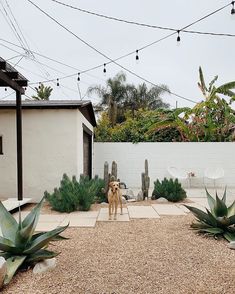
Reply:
x=110 y=184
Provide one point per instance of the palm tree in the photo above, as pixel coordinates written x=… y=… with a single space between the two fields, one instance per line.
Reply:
x=141 y=97
x=43 y=92
x=112 y=95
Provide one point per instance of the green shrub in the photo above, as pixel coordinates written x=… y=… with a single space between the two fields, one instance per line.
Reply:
x=73 y=195
x=64 y=198
x=169 y=189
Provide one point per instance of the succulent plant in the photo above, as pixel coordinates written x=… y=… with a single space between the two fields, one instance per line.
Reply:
x=219 y=220
x=20 y=245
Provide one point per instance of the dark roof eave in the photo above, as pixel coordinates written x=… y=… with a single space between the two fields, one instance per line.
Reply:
x=84 y=106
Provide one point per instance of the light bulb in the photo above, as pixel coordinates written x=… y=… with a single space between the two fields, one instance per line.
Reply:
x=104 y=70
x=137 y=59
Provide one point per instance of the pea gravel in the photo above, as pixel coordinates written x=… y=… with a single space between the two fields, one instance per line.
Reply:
x=140 y=256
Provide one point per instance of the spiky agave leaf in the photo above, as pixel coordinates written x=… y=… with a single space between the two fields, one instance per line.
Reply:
x=231 y=220
x=7 y=245
x=213 y=231
x=220 y=208
x=201 y=215
x=8 y=224
x=224 y=195
x=210 y=200
x=229 y=236
x=33 y=216
x=40 y=255
x=43 y=240
x=23 y=235
x=231 y=209
x=13 y=263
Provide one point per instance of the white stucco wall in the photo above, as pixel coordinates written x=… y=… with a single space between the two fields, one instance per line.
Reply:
x=52 y=145
x=195 y=157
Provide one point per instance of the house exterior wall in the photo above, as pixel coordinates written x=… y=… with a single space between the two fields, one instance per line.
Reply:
x=52 y=145
x=192 y=157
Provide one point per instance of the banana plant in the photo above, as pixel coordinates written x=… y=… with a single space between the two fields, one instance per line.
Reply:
x=20 y=245
x=218 y=220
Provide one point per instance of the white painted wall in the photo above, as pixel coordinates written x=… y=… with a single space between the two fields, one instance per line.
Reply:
x=193 y=157
x=52 y=145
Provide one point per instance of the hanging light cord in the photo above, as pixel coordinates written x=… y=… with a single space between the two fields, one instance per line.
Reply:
x=144 y=24
x=114 y=61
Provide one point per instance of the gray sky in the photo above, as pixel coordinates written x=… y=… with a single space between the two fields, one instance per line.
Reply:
x=162 y=63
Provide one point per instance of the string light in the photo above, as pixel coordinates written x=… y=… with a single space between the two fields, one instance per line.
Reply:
x=78 y=78
x=57 y=83
x=178 y=37
x=233 y=10
x=137 y=56
x=104 y=70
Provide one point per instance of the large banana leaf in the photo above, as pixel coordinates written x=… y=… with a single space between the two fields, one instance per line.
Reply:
x=13 y=263
x=8 y=224
x=40 y=255
x=43 y=240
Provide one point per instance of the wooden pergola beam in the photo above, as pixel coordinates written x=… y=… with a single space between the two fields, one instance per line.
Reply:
x=10 y=83
x=10 y=77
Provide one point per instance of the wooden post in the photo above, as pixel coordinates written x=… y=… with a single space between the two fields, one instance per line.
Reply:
x=19 y=146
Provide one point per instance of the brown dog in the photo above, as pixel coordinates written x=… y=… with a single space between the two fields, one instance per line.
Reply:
x=114 y=197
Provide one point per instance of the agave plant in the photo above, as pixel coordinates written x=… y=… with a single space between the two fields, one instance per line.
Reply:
x=219 y=220
x=20 y=245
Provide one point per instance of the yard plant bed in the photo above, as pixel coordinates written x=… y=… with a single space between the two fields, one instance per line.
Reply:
x=140 y=256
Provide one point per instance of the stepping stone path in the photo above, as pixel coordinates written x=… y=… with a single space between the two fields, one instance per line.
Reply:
x=168 y=209
x=104 y=215
x=86 y=219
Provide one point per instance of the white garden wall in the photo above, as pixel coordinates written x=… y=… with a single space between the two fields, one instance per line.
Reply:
x=192 y=157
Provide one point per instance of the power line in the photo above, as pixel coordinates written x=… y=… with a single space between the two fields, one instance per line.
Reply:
x=144 y=24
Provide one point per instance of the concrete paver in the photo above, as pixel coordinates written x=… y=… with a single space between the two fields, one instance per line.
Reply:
x=142 y=212
x=104 y=215
x=168 y=209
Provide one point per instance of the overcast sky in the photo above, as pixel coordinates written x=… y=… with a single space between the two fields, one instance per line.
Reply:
x=162 y=63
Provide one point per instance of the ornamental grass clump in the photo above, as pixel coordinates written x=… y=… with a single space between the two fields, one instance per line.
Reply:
x=169 y=189
x=20 y=245
x=219 y=220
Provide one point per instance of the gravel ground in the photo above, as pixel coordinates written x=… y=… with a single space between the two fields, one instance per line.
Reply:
x=140 y=256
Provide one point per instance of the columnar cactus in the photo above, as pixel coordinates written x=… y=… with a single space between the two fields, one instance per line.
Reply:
x=114 y=170
x=145 y=180
x=109 y=177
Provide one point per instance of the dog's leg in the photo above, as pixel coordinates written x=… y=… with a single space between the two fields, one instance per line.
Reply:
x=110 y=204
x=115 y=212
x=120 y=199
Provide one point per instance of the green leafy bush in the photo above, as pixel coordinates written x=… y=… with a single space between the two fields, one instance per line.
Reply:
x=64 y=198
x=169 y=189
x=73 y=195
x=20 y=245
x=218 y=221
